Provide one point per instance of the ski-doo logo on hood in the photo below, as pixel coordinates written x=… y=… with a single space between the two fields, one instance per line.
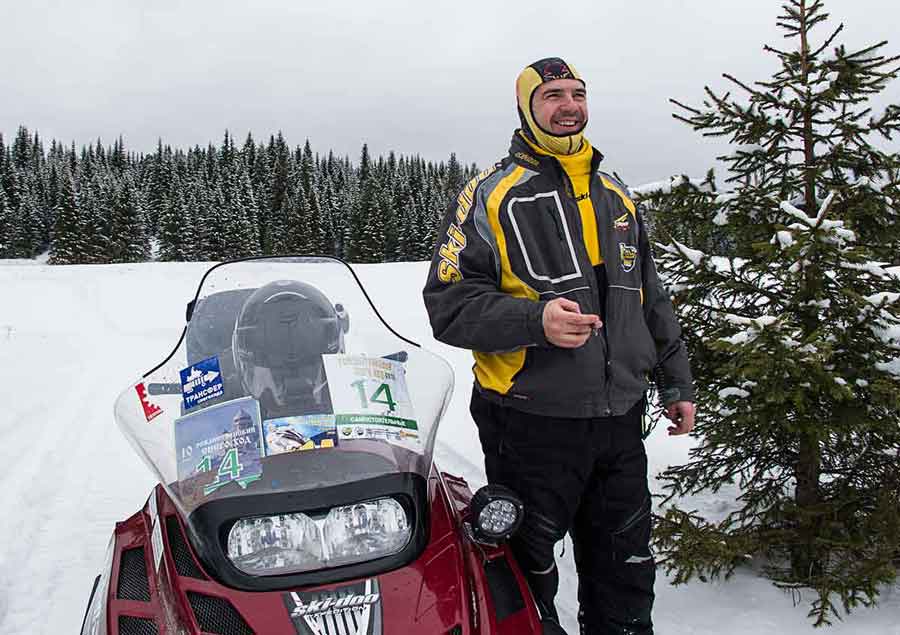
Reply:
x=201 y=382
x=354 y=609
x=556 y=70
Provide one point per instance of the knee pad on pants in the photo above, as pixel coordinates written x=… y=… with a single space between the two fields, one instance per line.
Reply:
x=533 y=543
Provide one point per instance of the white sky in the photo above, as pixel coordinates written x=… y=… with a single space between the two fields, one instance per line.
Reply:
x=416 y=77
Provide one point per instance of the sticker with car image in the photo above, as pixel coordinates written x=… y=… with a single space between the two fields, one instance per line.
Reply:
x=298 y=434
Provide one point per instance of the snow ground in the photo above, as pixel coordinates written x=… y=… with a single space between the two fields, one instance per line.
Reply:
x=71 y=338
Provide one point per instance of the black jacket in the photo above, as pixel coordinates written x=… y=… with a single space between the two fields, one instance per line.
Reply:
x=512 y=242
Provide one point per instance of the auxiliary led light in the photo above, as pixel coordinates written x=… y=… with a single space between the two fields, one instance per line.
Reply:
x=496 y=513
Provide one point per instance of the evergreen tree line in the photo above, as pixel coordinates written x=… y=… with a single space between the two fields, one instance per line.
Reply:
x=104 y=204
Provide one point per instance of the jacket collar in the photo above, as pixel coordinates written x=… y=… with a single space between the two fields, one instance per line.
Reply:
x=521 y=153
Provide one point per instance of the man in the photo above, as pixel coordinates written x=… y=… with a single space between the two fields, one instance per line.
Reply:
x=544 y=271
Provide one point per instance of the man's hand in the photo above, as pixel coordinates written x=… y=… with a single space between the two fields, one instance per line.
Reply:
x=564 y=324
x=681 y=414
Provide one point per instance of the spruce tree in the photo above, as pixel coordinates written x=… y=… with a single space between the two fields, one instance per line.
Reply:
x=5 y=225
x=792 y=317
x=67 y=246
x=128 y=237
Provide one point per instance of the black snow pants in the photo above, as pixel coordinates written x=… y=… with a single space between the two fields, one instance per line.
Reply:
x=587 y=477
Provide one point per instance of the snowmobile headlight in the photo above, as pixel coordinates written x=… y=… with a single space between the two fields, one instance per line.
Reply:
x=496 y=513
x=365 y=531
x=293 y=543
x=271 y=545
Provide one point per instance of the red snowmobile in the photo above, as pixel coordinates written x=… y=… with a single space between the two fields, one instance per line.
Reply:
x=297 y=492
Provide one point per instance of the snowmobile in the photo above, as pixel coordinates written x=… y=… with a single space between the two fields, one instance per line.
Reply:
x=297 y=492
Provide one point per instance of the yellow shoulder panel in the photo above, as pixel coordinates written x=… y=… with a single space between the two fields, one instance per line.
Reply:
x=625 y=199
x=509 y=282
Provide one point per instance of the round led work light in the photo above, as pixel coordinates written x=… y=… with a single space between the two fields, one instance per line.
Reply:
x=496 y=513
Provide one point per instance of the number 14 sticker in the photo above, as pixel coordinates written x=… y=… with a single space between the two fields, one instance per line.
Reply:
x=368 y=385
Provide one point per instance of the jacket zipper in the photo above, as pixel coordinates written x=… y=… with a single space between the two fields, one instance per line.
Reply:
x=592 y=280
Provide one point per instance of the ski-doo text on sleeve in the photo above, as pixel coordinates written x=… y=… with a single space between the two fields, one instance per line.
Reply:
x=449 y=269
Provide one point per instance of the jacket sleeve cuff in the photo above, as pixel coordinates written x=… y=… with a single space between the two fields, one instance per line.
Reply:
x=674 y=393
x=534 y=323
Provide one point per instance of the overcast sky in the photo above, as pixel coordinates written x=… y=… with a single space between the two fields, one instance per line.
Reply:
x=416 y=77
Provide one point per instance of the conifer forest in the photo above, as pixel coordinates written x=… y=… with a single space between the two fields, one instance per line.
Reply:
x=102 y=204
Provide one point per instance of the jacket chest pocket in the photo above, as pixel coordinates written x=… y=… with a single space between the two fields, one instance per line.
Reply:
x=544 y=239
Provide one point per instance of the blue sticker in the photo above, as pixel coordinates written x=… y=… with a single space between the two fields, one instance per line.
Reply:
x=202 y=382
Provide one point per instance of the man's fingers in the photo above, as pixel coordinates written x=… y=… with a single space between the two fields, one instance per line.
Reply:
x=585 y=318
x=682 y=416
x=567 y=305
x=565 y=325
x=569 y=340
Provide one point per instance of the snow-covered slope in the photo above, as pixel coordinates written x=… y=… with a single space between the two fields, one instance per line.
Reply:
x=72 y=337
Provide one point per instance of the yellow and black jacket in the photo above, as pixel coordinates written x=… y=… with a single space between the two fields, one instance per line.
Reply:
x=514 y=240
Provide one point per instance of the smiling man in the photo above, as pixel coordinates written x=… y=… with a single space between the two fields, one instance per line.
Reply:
x=543 y=269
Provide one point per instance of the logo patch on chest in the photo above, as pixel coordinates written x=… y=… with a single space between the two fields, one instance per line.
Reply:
x=621 y=223
x=627 y=256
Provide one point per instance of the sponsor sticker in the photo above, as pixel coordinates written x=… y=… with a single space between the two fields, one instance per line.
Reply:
x=353 y=609
x=156 y=543
x=391 y=429
x=216 y=446
x=627 y=256
x=151 y=410
x=201 y=382
x=298 y=434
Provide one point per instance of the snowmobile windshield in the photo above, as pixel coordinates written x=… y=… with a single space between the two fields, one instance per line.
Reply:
x=286 y=380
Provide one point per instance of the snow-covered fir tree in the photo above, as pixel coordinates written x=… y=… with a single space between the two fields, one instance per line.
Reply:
x=67 y=246
x=787 y=287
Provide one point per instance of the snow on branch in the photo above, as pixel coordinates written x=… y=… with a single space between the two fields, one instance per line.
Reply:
x=788 y=208
x=755 y=326
x=884 y=298
x=733 y=391
x=872 y=268
x=665 y=187
x=892 y=367
x=826 y=204
x=783 y=238
x=834 y=230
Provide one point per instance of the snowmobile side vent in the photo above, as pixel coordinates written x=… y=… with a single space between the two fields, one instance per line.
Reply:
x=504 y=588
x=129 y=625
x=132 y=584
x=181 y=553
x=217 y=615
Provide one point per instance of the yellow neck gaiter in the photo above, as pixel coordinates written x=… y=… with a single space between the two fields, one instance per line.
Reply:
x=577 y=167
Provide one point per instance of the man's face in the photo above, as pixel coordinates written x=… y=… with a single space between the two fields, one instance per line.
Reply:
x=560 y=106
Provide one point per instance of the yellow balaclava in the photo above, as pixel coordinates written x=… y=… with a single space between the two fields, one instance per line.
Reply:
x=534 y=75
